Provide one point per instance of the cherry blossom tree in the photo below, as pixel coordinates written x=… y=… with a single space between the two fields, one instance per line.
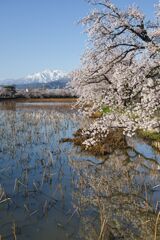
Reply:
x=120 y=69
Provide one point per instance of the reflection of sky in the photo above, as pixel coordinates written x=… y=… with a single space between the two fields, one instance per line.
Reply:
x=147 y=151
x=30 y=148
x=143 y=148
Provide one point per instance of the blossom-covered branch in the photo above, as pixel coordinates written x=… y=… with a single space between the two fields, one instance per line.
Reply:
x=121 y=67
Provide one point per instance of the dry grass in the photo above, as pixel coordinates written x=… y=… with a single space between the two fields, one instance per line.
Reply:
x=96 y=114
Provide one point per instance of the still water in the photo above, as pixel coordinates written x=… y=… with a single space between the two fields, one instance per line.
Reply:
x=51 y=190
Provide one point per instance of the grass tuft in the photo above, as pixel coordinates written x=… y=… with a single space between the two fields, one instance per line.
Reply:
x=106 y=110
x=149 y=135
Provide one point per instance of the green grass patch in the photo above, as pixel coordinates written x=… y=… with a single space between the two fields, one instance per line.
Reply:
x=149 y=135
x=106 y=109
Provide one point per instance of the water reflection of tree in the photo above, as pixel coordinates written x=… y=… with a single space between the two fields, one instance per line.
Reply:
x=115 y=199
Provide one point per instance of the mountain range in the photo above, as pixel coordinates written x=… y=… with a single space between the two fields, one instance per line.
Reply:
x=46 y=79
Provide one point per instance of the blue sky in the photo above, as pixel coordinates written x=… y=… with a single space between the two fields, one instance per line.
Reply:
x=40 y=34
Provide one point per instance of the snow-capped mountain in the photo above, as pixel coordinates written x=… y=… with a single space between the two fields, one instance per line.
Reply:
x=47 y=79
x=46 y=76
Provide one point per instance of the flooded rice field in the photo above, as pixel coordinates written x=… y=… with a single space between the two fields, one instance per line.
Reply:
x=52 y=190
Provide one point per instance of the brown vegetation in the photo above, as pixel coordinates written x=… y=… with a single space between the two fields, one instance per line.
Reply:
x=114 y=140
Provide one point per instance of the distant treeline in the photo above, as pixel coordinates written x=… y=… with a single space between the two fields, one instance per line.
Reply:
x=11 y=92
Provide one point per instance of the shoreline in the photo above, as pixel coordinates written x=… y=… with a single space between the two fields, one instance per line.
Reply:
x=55 y=99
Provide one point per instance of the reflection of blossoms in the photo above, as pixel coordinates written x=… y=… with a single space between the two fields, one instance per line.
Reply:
x=117 y=193
x=120 y=69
